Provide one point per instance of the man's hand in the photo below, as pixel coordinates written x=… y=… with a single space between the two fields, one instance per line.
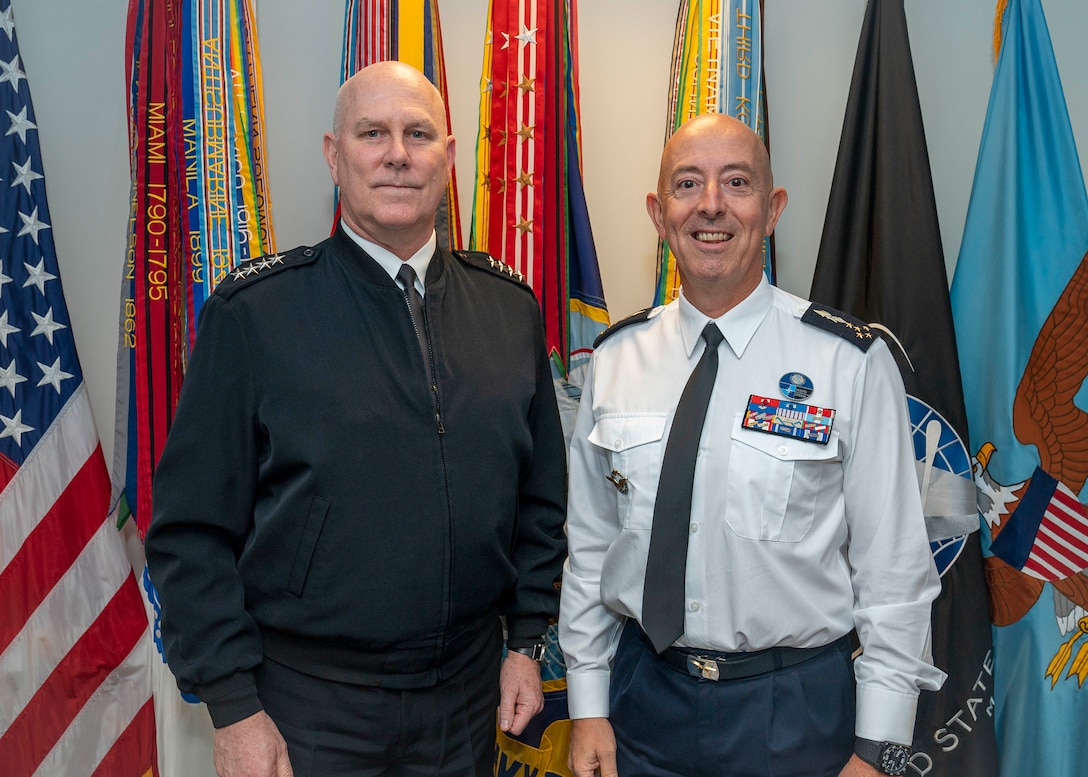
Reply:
x=252 y=747
x=520 y=693
x=592 y=748
x=856 y=767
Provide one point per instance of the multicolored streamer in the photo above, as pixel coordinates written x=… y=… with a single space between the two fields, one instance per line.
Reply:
x=200 y=205
x=529 y=209
x=408 y=31
x=717 y=68
x=224 y=107
x=153 y=327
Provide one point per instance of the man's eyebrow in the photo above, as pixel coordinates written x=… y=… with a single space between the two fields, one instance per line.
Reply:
x=368 y=123
x=685 y=170
x=424 y=124
x=738 y=167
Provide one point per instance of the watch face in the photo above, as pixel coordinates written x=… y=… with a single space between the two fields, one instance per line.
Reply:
x=894 y=759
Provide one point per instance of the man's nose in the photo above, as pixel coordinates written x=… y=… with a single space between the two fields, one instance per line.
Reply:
x=712 y=201
x=397 y=152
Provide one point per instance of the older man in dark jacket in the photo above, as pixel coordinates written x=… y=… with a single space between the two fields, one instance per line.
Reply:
x=365 y=477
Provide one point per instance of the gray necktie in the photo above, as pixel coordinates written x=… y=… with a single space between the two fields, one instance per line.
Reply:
x=663 y=594
x=407 y=277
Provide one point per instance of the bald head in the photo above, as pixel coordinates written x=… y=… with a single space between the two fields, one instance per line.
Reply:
x=390 y=153
x=384 y=77
x=714 y=204
x=715 y=125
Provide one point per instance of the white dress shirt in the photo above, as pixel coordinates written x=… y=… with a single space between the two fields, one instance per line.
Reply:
x=791 y=542
x=391 y=263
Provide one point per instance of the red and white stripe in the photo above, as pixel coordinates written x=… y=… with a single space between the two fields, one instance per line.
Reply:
x=1061 y=544
x=525 y=151
x=75 y=686
x=375 y=37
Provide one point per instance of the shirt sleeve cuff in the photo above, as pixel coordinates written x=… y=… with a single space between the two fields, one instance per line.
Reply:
x=587 y=694
x=885 y=716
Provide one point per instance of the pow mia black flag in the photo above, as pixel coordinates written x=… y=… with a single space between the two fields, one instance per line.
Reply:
x=881 y=260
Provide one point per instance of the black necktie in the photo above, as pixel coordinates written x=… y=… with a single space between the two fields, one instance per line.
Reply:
x=663 y=594
x=407 y=277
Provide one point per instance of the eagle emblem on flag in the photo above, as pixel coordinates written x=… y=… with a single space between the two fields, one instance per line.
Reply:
x=1039 y=527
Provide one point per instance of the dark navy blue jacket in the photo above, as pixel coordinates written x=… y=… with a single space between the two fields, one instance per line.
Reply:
x=315 y=502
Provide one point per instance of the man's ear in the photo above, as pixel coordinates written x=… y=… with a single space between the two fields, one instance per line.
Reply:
x=653 y=207
x=329 y=151
x=779 y=198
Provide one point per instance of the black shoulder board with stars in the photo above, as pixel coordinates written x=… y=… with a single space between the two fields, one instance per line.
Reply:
x=634 y=318
x=486 y=261
x=263 y=267
x=838 y=323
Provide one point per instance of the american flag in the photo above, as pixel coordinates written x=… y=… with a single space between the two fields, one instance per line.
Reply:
x=75 y=686
x=1060 y=549
x=1047 y=534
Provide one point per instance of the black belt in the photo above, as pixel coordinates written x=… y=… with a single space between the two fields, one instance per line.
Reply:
x=713 y=665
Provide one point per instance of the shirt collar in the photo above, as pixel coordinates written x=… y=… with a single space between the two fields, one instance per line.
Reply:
x=390 y=262
x=738 y=324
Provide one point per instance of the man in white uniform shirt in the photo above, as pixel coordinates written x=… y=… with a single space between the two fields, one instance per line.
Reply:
x=805 y=521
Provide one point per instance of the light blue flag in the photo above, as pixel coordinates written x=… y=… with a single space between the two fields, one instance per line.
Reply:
x=1020 y=304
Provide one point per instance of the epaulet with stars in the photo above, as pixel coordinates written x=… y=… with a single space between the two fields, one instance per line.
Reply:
x=838 y=323
x=485 y=261
x=263 y=267
x=634 y=318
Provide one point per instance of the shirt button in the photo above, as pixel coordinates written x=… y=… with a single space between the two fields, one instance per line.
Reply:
x=694 y=527
x=783 y=450
x=695 y=607
x=617 y=444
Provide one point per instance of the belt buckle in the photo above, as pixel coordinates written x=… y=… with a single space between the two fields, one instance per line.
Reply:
x=708 y=667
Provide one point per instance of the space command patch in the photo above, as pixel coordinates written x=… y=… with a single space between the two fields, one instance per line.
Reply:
x=789 y=419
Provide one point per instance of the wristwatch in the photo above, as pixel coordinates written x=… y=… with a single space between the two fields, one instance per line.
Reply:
x=534 y=651
x=887 y=757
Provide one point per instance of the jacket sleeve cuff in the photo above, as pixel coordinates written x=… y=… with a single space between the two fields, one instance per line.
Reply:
x=525 y=631
x=231 y=699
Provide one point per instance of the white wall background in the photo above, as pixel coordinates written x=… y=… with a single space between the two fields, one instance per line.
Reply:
x=73 y=55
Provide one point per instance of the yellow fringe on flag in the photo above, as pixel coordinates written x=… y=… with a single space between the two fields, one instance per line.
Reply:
x=999 y=17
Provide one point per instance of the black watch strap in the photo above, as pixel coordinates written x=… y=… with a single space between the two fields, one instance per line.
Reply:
x=887 y=757
x=534 y=651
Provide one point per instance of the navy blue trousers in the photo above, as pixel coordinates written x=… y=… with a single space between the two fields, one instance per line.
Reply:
x=336 y=729
x=794 y=722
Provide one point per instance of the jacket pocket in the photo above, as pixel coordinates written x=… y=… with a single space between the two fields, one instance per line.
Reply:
x=304 y=553
x=633 y=443
x=774 y=482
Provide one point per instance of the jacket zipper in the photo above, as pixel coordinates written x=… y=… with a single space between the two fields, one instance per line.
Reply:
x=436 y=399
x=424 y=337
x=436 y=404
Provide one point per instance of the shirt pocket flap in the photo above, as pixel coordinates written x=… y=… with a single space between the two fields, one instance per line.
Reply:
x=786 y=448
x=621 y=432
